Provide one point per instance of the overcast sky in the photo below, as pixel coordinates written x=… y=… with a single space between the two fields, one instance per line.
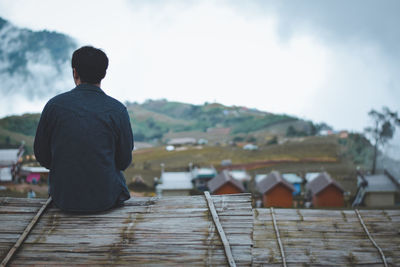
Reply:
x=328 y=61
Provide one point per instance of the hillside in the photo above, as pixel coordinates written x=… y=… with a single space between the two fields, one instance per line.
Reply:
x=158 y=121
x=295 y=147
x=162 y=119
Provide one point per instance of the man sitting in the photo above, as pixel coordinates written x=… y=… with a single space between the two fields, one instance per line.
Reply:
x=84 y=138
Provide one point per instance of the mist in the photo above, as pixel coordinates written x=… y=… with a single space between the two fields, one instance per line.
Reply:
x=328 y=61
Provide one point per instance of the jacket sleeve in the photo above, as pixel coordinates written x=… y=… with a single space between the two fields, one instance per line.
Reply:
x=41 y=145
x=123 y=155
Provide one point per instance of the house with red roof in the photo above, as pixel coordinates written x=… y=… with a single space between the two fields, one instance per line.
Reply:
x=224 y=183
x=325 y=192
x=276 y=191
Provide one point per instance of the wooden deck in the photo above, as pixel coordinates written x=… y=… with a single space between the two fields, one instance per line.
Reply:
x=179 y=231
x=326 y=237
x=172 y=231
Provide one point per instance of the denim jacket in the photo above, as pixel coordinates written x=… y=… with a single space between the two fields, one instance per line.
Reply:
x=84 y=138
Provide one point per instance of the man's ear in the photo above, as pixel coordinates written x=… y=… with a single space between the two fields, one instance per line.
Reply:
x=75 y=74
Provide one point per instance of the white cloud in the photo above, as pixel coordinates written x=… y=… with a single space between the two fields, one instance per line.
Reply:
x=201 y=51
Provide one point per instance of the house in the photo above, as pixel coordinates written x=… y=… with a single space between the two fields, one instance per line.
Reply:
x=182 y=141
x=9 y=162
x=201 y=176
x=226 y=162
x=33 y=174
x=343 y=134
x=250 y=147
x=375 y=191
x=224 y=183
x=295 y=180
x=325 y=192
x=202 y=141
x=174 y=184
x=276 y=191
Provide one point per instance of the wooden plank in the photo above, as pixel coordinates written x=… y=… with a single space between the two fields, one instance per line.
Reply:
x=26 y=232
x=278 y=237
x=326 y=237
x=146 y=231
x=221 y=232
x=370 y=238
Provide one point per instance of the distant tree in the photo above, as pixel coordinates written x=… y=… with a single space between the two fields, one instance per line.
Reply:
x=238 y=139
x=321 y=127
x=139 y=136
x=291 y=131
x=382 y=131
x=273 y=140
x=251 y=139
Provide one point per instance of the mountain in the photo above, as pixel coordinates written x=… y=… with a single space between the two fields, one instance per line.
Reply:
x=155 y=119
x=33 y=64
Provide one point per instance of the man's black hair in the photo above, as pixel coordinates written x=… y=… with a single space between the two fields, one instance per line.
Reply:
x=90 y=63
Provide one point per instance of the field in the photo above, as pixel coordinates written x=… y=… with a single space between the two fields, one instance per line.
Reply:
x=299 y=155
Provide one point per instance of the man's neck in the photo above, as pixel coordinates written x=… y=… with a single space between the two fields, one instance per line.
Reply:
x=94 y=84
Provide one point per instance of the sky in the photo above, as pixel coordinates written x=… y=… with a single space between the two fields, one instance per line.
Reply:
x=329 y=61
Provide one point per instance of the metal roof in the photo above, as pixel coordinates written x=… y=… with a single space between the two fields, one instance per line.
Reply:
x=259 y=177
x=182 y=141
x=8 y=156
x=292 y=178
x=273 y=179
x=34 y=169
x=240 y=175
x=203 y=173
x=311 y=176
x=175 y=181
x=379 y=183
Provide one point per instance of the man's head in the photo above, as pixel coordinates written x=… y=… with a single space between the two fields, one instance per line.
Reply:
x=89 y=65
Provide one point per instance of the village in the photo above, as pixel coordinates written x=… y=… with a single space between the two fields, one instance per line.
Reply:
x=270 y=184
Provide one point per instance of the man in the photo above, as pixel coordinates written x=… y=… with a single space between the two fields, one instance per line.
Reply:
x=84 y=138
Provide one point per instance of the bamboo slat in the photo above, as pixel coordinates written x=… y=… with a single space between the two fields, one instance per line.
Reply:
x=24 y=234
x=326 y=237
x=179 y=231
x=225 y=242
x=169 y=231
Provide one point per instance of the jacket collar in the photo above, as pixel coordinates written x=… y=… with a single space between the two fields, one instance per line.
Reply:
x=89 y=87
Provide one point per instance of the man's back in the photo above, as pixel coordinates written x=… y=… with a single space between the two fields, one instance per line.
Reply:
x=84 y=137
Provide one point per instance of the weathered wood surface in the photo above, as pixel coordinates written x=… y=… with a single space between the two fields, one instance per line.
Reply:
x=25 y=233
x=170 y=231
x=179 y=231
x=15 y=215
x=326 y=237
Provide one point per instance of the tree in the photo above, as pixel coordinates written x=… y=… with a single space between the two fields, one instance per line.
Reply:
x=382 y=131
x=291 y=131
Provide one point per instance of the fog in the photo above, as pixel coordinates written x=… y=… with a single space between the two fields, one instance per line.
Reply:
x=328 y=61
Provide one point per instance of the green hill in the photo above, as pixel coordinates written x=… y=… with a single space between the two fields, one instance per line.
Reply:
x=157 y=119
